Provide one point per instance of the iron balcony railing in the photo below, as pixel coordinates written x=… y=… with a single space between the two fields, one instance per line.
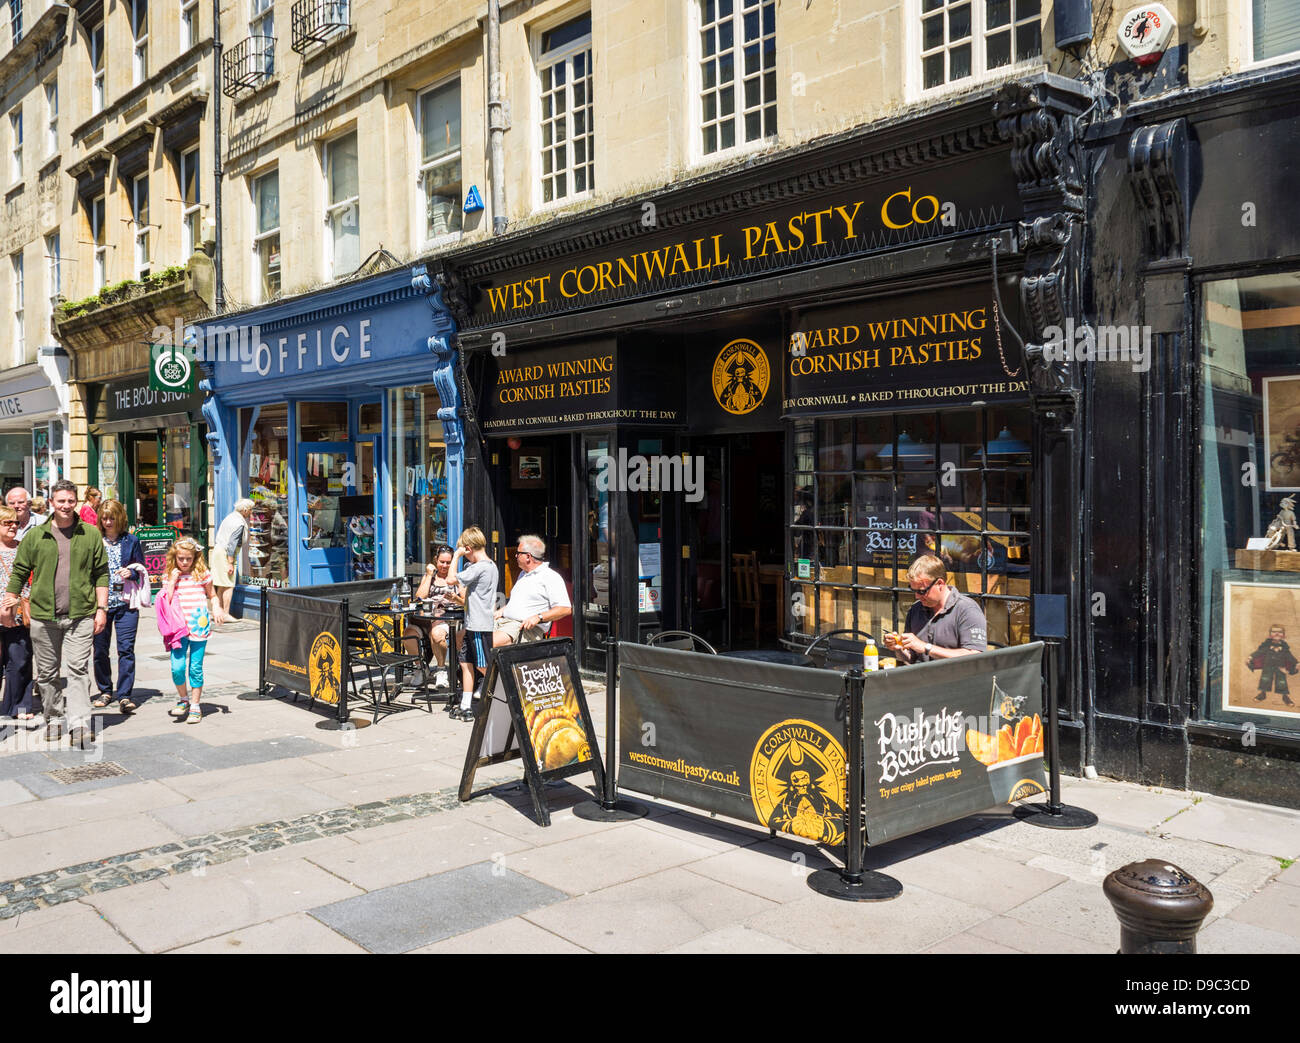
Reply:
x=247 y=65
x=319 y=21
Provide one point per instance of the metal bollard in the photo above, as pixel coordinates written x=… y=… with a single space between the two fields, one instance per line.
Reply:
x=1160 y=907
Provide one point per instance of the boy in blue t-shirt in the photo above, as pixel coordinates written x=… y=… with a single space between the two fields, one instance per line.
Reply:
x=479 y=578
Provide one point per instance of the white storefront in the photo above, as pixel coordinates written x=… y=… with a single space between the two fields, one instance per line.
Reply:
x=34 y=449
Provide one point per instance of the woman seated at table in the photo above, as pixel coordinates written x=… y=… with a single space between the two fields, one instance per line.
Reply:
x=437 y=583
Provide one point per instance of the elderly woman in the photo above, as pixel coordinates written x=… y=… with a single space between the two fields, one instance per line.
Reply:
x=127 y=576
x=15 y=637
x=225 y=552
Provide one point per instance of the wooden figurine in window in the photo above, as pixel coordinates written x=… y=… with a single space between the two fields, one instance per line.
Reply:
x=1283 y=526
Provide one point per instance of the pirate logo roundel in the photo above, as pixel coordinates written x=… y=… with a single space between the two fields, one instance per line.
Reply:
x=324 y=668
x=741 y=376
x=796 y=780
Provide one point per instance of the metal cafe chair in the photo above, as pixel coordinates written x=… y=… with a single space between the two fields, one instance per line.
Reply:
x=364 y=654
x=839 y=653
x=682 y=640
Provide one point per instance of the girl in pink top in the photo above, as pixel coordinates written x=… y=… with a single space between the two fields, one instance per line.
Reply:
x=187 y=582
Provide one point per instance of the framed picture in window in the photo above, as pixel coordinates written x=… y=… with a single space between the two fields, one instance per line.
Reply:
x=1261 y=637
x=530 y=468
x=1282 y=433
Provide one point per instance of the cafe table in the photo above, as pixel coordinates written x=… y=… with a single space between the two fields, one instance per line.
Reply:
x=453 y=617
x=423 y=611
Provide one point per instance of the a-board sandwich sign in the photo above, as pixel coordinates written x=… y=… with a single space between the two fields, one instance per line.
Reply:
x=155 y=542
x=755 y=741
x=947 y=739
x=535 y=710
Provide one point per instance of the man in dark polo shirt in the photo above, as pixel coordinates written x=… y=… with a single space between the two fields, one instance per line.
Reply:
x=944 y=622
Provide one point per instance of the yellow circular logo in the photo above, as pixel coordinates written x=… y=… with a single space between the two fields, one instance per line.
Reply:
x=741 y=376
x=797 y=779
x=325 y=668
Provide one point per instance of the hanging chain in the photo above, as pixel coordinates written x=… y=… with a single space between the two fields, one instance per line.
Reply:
x=997 y=312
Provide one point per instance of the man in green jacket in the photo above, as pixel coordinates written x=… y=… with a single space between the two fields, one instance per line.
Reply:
x=68 y=567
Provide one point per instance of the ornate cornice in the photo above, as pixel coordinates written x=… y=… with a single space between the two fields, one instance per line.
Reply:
x=1042 y=121
x=1159 y=171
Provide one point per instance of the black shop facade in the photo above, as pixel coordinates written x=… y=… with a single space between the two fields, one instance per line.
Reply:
x=746 y=416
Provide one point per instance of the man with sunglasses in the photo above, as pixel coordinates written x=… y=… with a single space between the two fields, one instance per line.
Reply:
x=944 y=622
x=537 y=599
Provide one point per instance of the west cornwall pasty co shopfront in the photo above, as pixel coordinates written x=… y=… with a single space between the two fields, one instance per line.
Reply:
x=746 y=418
x=336 y=413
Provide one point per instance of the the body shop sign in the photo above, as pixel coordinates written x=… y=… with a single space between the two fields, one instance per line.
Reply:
x=904 y=351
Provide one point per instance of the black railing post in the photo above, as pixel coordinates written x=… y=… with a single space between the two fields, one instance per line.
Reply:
x=261 y=644
x=854 y=883
x=608 y=808
x=854 y=683
x=345 y=662
x=1053 y=814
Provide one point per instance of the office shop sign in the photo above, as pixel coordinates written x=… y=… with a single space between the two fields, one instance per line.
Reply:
x=846 y=221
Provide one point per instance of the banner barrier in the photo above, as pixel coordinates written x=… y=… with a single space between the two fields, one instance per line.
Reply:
x=950 y=738
x=754 y=741
x=771 y=744
x=304 y=639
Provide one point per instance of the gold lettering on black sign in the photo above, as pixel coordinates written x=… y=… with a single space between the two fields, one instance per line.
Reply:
x=568 y=378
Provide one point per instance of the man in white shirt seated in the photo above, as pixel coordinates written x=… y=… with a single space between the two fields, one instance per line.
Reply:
x=537 y=599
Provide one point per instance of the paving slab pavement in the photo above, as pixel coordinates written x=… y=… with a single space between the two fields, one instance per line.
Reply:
x=258 y=831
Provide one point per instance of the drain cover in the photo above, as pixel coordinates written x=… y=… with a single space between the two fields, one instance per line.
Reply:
x=88 y=772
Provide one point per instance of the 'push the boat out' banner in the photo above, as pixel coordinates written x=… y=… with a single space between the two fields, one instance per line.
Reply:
x=950 y=738
x=765 y=743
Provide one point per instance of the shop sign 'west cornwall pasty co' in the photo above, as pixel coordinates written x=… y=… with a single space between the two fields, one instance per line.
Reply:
x=925 y=204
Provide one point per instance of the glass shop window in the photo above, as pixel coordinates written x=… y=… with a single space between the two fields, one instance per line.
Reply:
x=417 y=455
x=870 y=494
x=1250 y=481
x=265 y=472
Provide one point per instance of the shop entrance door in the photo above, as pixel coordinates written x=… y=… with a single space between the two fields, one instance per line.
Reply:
x=326 y=471
x=534 y=484
x=706 y=582
x=735 y=538
x=146 y=479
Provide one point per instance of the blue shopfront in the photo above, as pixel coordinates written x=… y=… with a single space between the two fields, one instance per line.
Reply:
x=337 y=413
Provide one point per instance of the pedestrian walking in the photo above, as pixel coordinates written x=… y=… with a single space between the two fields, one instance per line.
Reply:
x=187 y=587
x=479 y=581
x=90 y=509
x=15 y=636
x=65 y=561
x=20 y=501
x=128 y=589
x=225 y=551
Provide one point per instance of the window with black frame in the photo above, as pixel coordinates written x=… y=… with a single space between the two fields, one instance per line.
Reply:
x=870 y=494
x=1250 y=539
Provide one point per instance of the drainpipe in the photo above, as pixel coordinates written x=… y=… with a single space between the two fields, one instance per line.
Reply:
x=496 y=119
x=219 y=292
